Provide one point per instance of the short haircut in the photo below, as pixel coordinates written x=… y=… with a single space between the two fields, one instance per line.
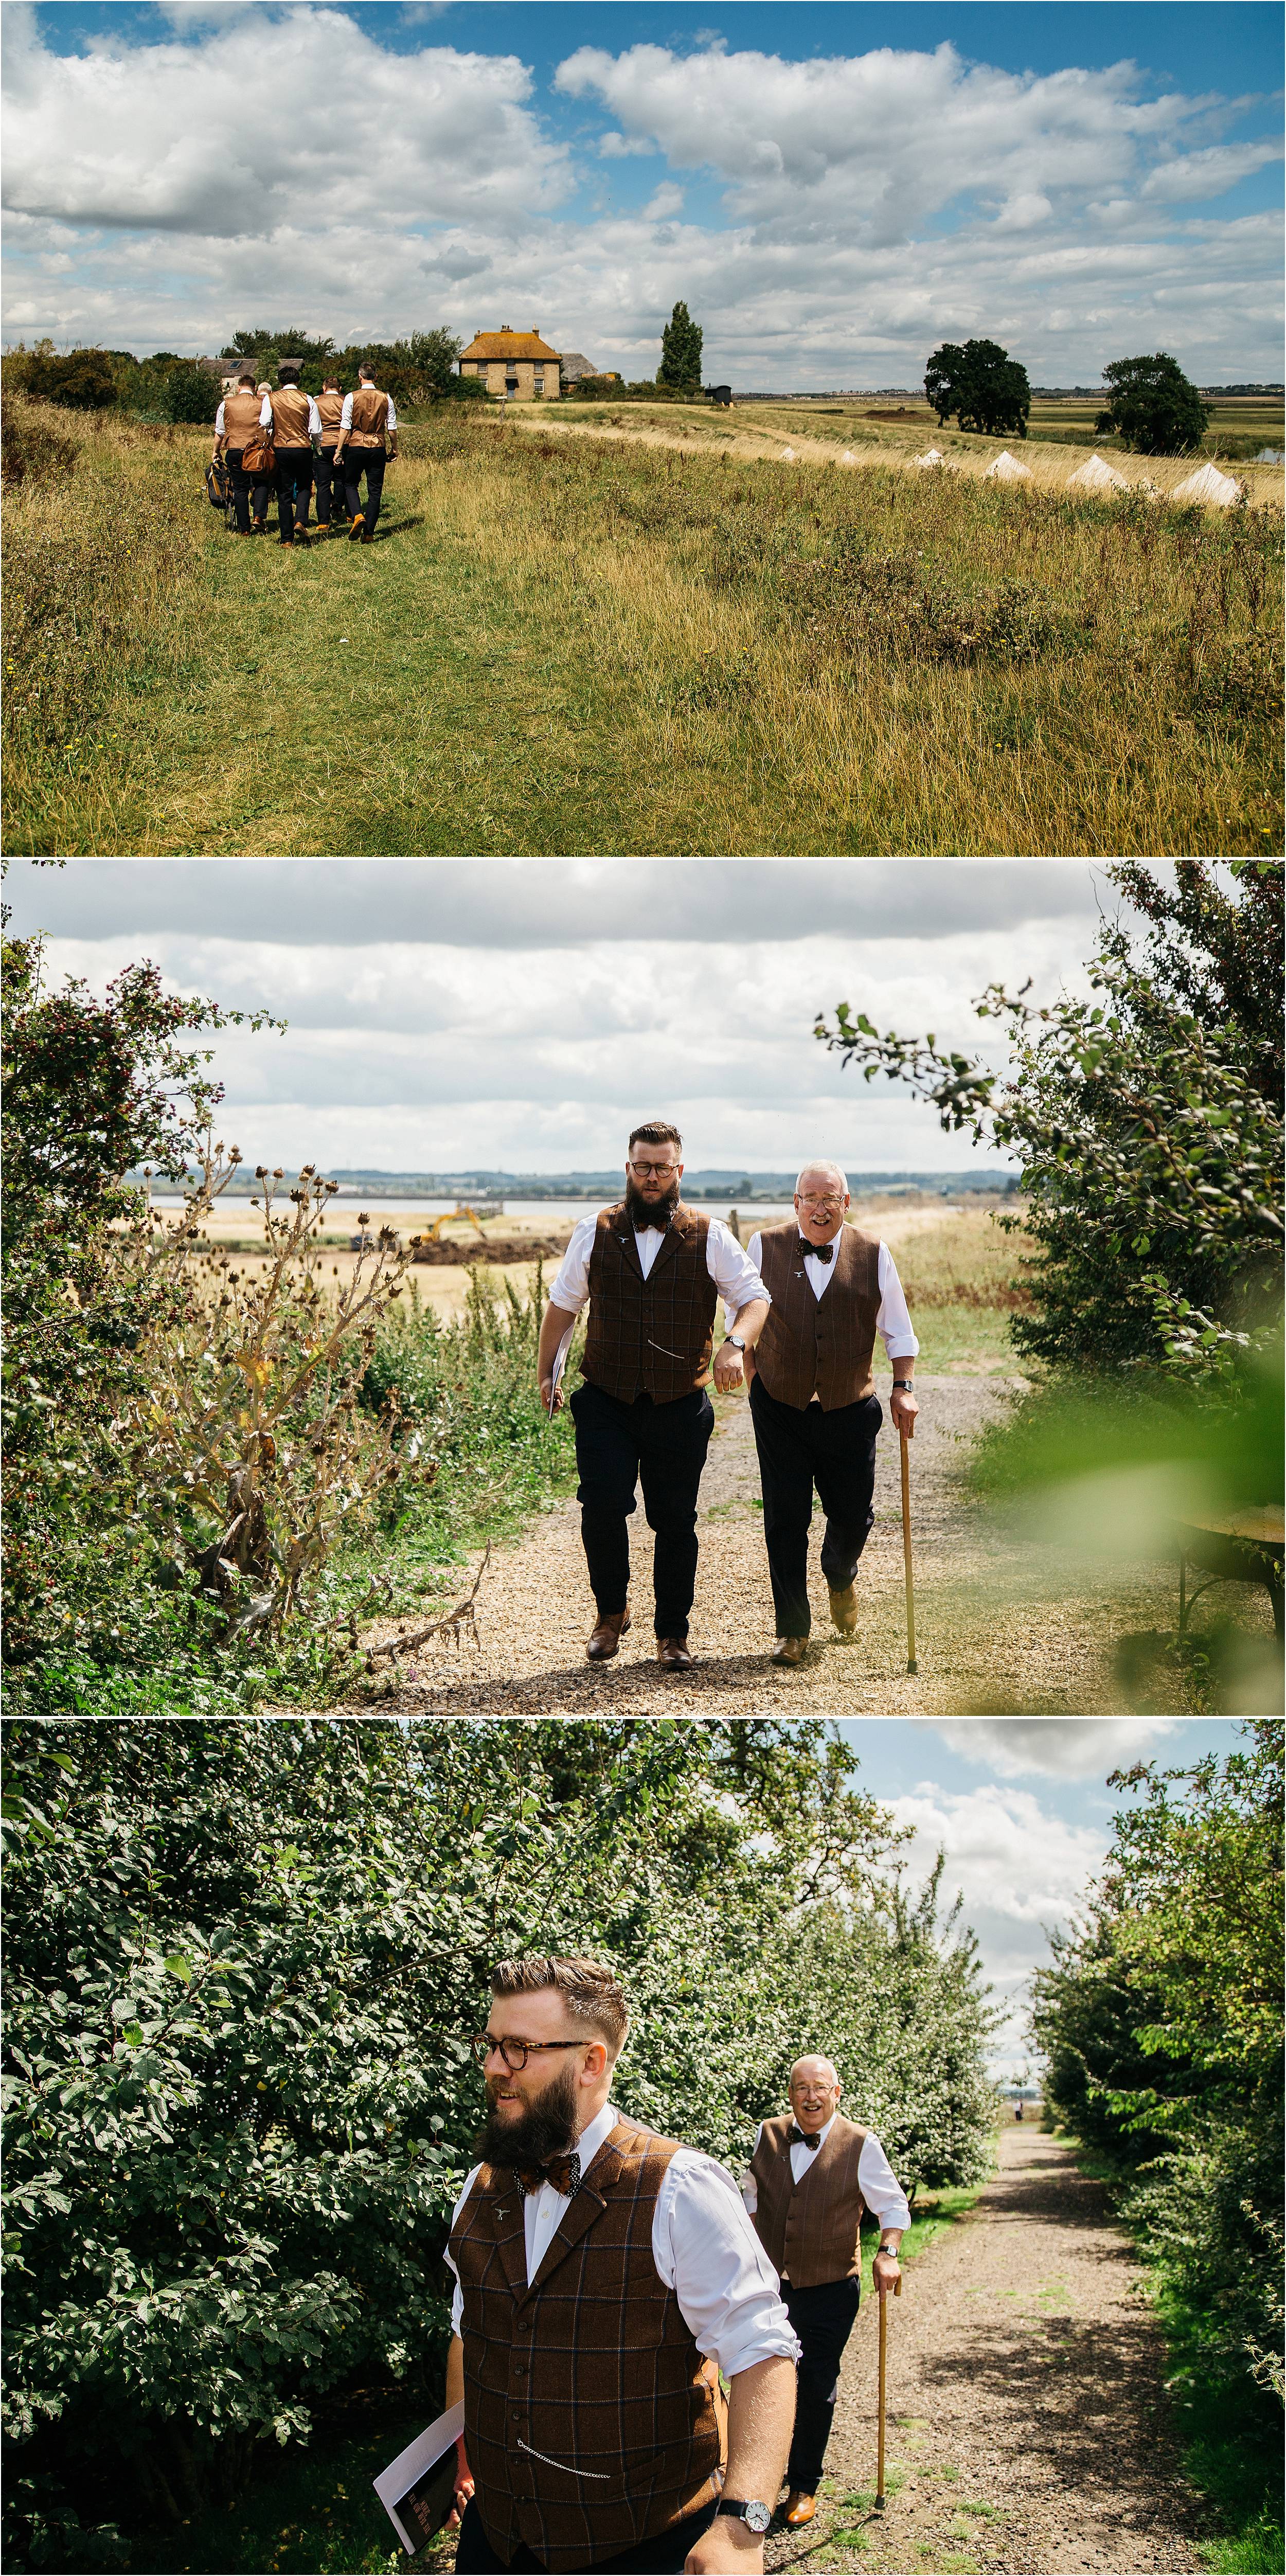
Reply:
x=364 y=370
x=330 y=384
x=590 y=1991
x=822 y=1163
x=289 y=375
x=247 y=377
x=657 y=1131
x=811 y=2056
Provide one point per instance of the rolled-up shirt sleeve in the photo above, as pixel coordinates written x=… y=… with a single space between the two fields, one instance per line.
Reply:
x=218 y=422
x=881 y=2190
x=734 y=1274
x=571 y=1287
x=707 y=2252
x=893 y=1323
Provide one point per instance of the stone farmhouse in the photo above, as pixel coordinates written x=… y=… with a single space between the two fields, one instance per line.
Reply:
x=517 y=363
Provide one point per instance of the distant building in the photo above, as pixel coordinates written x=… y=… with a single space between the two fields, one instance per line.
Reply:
x=574 y=365
x=517 y=363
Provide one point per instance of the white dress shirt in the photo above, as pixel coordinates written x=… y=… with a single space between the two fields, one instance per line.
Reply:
x=881 y=2190
x=735 y=1274
x=265 y=418
x=703 y=2246
x=346 y=416
x=893 y=1323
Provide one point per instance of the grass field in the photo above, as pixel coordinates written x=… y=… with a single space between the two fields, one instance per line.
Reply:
x=579 y=637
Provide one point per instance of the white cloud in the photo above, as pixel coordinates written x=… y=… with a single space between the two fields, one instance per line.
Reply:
x=664 y=201
x=282 y=165
x=1062 y=1748
x=1021 y=1871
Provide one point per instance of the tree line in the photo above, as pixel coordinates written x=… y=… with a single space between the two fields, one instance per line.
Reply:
x=245 y=1961
x=417 y=371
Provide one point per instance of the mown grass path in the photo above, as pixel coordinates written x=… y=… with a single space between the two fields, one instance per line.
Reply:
x=1029 y=2431
x=986 y=1643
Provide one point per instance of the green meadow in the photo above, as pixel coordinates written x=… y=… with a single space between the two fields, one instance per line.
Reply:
x=640 y=630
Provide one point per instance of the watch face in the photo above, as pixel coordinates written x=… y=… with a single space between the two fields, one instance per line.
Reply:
x=757 y=2516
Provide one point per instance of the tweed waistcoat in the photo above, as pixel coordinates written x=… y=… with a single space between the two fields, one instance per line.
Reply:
x=370 y=413
x=290 y=417
x=809 y=2229
x=241 y=417
x=649 y=1336
x=330 y=408
x=589 y=2423
x=818 y=1346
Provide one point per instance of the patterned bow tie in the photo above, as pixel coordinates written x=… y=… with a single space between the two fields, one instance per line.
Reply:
x=562 y=2171
x=819 y=1251
x=799 y=2139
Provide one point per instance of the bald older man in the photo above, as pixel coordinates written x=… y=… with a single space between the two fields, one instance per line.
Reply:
x=812 y=2178
x=813 y=1399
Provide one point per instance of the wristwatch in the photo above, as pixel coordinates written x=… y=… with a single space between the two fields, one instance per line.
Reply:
x=733 y=1342
x=907 y=1383
x=755 y=2515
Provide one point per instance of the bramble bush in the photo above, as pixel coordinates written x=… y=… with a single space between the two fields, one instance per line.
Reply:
x=245 y=1960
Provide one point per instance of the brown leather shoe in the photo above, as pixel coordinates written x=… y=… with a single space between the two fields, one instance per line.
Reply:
x=675 y=1653
x=844 y=1610
x=607 y=1635
x=790 y=1650
x=799 y=2508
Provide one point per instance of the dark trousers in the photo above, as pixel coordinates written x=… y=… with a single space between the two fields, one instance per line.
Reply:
x=371 y=462
x=799 y=1447
x=661 y=2556
x=663 y=1446
x=294 y=483
x=330 y=487
x=823 y=2319
x=241 y=490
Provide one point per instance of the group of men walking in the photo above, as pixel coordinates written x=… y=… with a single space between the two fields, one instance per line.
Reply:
x=804 y=1301
x=643 y=2352
x=293 y=444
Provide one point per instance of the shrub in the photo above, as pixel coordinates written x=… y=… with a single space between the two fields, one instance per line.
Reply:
x=82 y=381
x=31 y=452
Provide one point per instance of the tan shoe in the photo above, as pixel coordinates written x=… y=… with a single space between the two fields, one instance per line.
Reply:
x=799 y=2508
x=607 y=1635
x=790 y=1650
x=675 y=1653
x=844 y=1610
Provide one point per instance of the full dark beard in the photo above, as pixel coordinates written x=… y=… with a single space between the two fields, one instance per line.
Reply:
x=644 y=1212
x=547 y=2129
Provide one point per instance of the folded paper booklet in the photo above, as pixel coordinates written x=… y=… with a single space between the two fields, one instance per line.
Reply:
x=417 y=2490
x=560 y=1363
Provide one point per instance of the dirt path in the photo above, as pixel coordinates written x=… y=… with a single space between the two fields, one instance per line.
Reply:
x=1028 y=2430
x=984 y=1647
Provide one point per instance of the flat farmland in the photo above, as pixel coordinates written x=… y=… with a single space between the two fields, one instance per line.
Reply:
x=658 y=629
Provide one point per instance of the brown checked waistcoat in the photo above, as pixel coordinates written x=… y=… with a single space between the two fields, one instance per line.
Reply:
x=588 y=2423
x=809 y=2229
x=370 y=414
x=818 y=1346
x=649 y=1336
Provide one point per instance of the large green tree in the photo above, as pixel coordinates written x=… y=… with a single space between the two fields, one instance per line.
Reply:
x=244 y=1964
x=681 y=346
x=1152 y=406
x=1146 y=1120
x=982 y=385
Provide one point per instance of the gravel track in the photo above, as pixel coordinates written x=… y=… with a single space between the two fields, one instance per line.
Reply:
x=987 y=1642
x=1029 y=2432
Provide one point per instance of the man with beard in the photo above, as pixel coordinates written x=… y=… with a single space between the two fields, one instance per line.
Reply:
x=596 y=2263
x=652 y=1272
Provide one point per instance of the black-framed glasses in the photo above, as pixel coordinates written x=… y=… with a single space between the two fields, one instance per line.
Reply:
x=515 y=2052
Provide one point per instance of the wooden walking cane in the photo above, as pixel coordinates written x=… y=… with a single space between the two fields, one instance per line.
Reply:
x=906 y=1552
x=884 y=2324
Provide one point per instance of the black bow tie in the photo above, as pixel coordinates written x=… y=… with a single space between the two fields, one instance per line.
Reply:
x=562 y=2171
x=798 y=2139
x=819 y=1251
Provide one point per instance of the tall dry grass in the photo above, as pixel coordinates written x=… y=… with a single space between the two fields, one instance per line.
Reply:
x=589 y=645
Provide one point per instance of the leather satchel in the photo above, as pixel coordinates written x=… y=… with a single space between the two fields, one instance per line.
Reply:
x=259 y=457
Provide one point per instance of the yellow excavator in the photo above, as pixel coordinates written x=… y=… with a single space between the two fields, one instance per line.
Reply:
x=456 y=1216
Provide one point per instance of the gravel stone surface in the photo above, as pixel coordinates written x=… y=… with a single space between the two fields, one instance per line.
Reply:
x=1029 y=2432
x=997 y=1632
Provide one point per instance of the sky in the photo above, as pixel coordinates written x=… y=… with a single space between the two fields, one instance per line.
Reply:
x=1021 y=1807
x=832 y=189
x=522 y=1014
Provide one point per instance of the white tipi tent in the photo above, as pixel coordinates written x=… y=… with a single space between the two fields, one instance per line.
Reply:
x=932 y=457
x=1006 y=469
x=1097 y=476
x=1208 y=484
